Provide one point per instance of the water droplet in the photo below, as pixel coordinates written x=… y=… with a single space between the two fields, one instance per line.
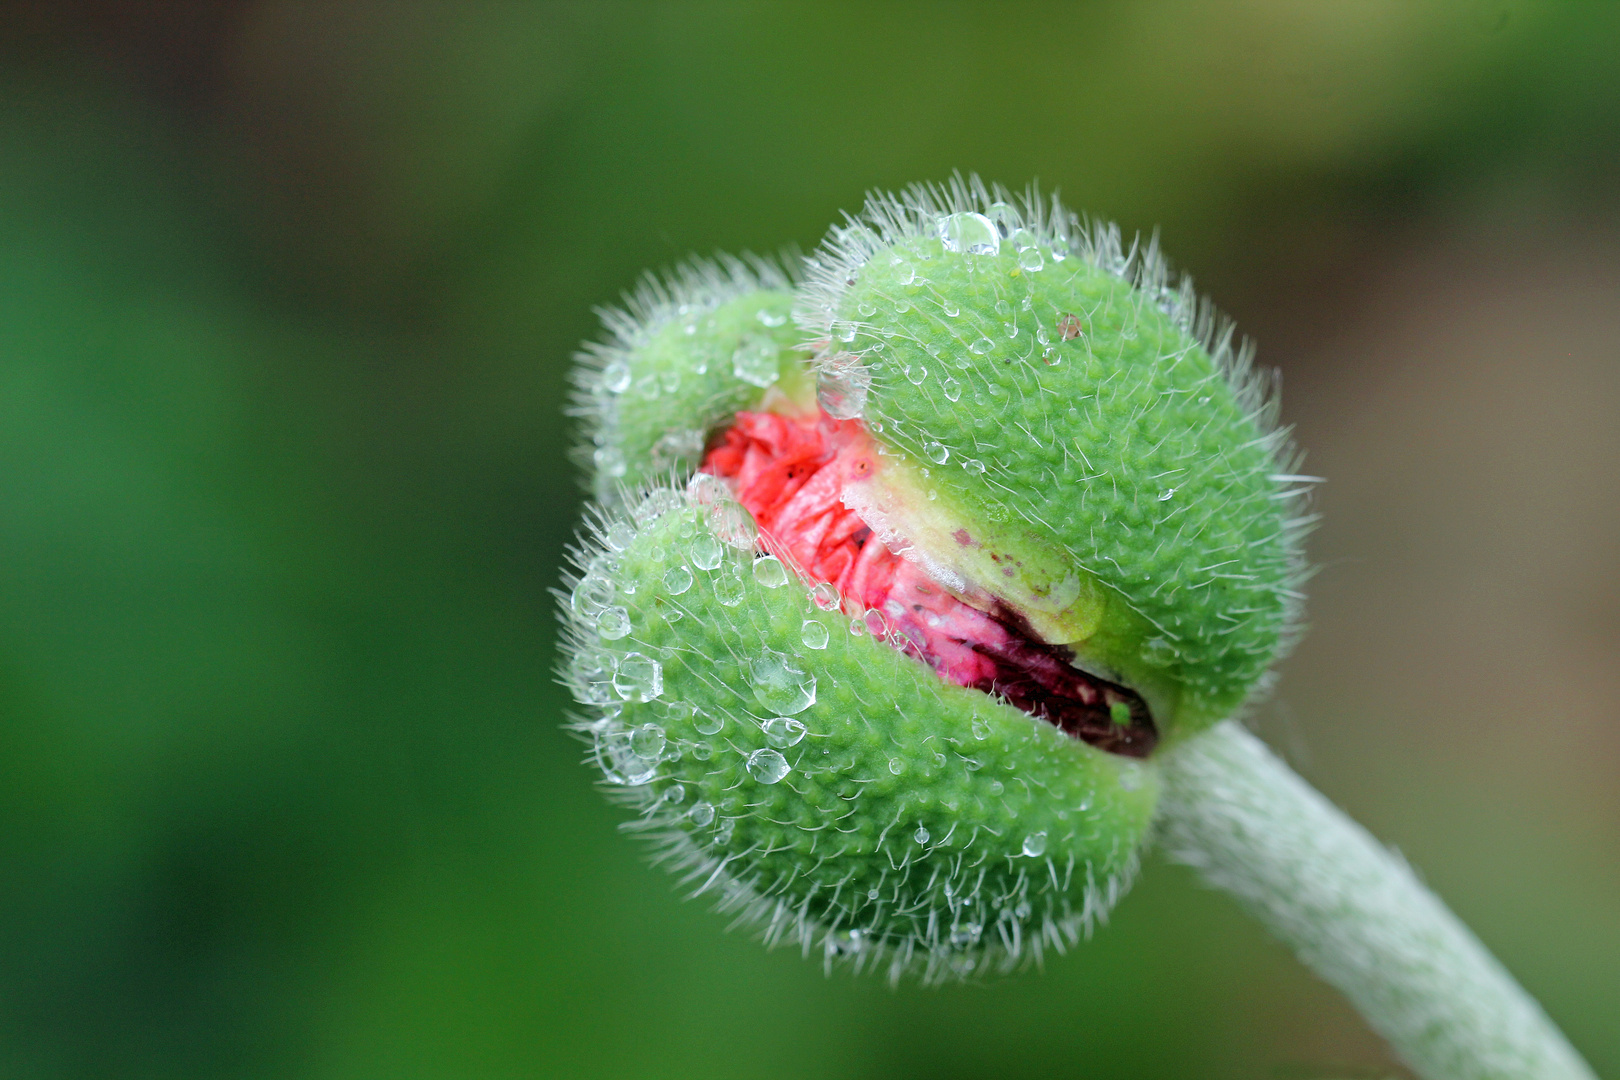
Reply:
x=609 y=459
x=708 y=723
x=669 y=381
x=702 y=813
x=966 y=934
x=723 y=831
x=1060 y=249
x=1035 y=844
x=732 y=524
x=591 y=595
x=675 y=794
x=876 y=624
x=656 y=505
x=639 y=678
x=981 y=730
x=865 y=309
x=981 y=346
x=825 y=596
x=780 y=686
x=902 y=306
x=974 y=234
x=842 y=385
x=728 y=587
x=897 y=765
x=951 y=388
x=647 y=386
x=1030 y=260
x=857 y=626
x=872 y=894
x=937 y=452
x=677 y=579
x=813 y=634
x=950 y=309
x=1052 y=356
x=1004 y=216
x=1022 y=239
x=997 y=787
x=915 y=374
x=648 y=741
x=706 y=552
x=1010 y=329
x=616 y=377
x=769 y=572
x=783 y=732
x=1167 y=494
x=767 y=766
x=757 y=362
x=620 y=535
x=921 y=835
x=768 y=318
x=613 y=623
x=1003 y=308
x=973 y=465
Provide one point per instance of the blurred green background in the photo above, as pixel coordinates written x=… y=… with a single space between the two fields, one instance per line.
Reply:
x=288 y=293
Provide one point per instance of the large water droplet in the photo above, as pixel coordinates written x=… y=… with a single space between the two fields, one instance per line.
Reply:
x=1030 y=260
x=783 y=731
x=825 y=596
x=981 y=730
x=915 y=374
x=937 y=452
x=1035 y=844
x=921 y=835
x=981 y=346
x=613 y=623
x=973 y=465
x=732 y=524
x=620 y=535
x=769 y=572
x=706 y=552
x=841 y=387
x=767 y=766
x=708 y=723
x=728 y=587
x=780 y=686
x=813 y=634
x=951 y=388
x=610 y=460
x=616 y=377
x=757 y=362
x=677 y=579
x=648 y=742
x=702 y=813
x=950 y=309
x=639 y=678
x=865 y=309
x=591 y=595
x=897 y=765
x=974 y=234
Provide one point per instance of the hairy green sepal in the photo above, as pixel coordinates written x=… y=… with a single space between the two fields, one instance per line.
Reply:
x=917 y=825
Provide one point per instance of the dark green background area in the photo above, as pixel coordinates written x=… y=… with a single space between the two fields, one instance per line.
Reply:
x=287 y=298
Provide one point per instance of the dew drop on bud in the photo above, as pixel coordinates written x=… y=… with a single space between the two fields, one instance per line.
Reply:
x=841 y=387
x=757 y=362
x=591 y=595
x=648 y=742
x=971 y=233
x=706 y=552
x=613 y=623
x=825 y=596
x=813 y=634
x=921 y=835
x=952 y=389
x=620 y=535
x=728 y=587
x=769 y=572
x=702 y=813
x=779 y=686
x=1035 y=844
x=973 y=465
x=767 y=766
x=639 y=678
x=708 y=723
x=937 y=452
x=732 y=524
x=677 y=579
x=783 y=731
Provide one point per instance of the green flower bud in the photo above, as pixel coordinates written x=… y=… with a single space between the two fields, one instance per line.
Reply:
x=684 y=354
x=1094 y=451
x=1065 y=531
x=833 y=790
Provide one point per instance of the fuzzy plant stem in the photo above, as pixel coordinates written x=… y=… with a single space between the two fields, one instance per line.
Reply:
x=1355 y=913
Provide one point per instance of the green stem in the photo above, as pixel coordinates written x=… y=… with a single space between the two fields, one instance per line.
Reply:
x=1355 y=913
